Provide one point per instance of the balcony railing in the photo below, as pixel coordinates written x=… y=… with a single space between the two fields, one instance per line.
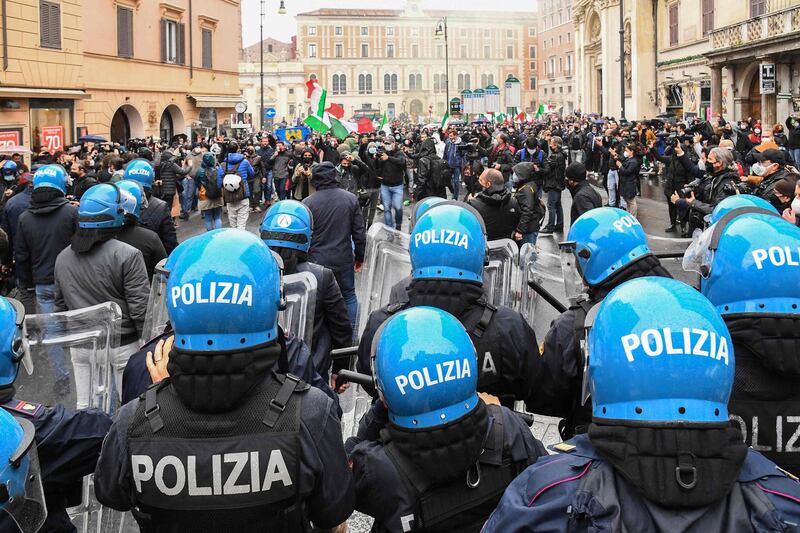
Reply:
x=781 y=18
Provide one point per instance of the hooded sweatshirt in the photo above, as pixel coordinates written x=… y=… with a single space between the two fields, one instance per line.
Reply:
x=499 y=210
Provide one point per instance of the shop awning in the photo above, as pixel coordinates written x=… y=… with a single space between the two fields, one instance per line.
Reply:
x=214 y=100
x=33 y=92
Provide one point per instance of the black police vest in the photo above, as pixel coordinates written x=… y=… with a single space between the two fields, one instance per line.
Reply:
x=766 y=406
x=465 y=503
x=234 y=471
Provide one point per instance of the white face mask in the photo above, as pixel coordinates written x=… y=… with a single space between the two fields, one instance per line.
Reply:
x=757 y=169
x=796 y=206
x=701 y=165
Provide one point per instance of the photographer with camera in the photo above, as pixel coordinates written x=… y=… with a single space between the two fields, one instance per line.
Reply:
x=716 y=179
x=766 y=172
x=391 y=165
x=675 y=175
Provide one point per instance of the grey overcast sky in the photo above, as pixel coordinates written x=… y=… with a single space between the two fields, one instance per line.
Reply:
x=282 y=27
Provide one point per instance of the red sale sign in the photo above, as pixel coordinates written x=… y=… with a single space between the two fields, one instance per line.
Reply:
x=9 y=138
x=53 y=138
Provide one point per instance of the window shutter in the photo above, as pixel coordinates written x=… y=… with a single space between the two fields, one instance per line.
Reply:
x=55 y=25
x=49 y=24
x=44 y=24
x=163 y=25
x=207 y=62
x=181 y=45
x=124 y=32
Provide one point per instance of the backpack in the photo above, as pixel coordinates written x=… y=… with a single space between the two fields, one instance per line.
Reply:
x=238 y=194
x=210 y=187
x=441 y=173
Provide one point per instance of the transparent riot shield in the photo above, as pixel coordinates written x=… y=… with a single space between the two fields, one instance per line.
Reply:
x=300 y=295
x=73 y=356
x=669 y=251
x=501 y=273
x=155 y=321
x=386 y=263
x=541 y=264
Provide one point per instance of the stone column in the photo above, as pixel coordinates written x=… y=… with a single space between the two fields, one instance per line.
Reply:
x=716 y=89
x=768 y=111
x=784 y=99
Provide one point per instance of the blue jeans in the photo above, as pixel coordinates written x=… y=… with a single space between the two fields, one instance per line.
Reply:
x=187 y=197
x=456 y=182
x=347 y=284
x=796 y=156
x=45 y=304
x=267 y=188
x=529 y=238
x=392 y=198
x=213 y=218
x=613 y=185
x=555 y=213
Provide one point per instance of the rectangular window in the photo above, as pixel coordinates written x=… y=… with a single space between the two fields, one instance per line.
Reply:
x=49 y=24
x=532 y=52
x=531 y=31
x=415 y=50
x=364 y=50
x=172 y=50
x=337 y=50
x=312 y=50
x=463 y=51
x=487 y=52
x=291 y=91
x=533 y=83
x=312 y=30
x=758 y=7
x=569 y=65
x=533 y=65
x=561 y=64
x=364 y=30
x=390 y=31
x=509 y=34
x=337 y=30
x=389 y=50
x=207 y=50
x=559 y=40
x=708 y=16
x=552 y=71
x=124 y=32
x=509 y=52
x=673 y=25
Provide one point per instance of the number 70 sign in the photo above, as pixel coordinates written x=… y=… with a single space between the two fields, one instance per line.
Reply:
x=53 y=138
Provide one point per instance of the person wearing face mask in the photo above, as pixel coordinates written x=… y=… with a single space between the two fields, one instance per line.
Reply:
x=713 y=184
x=793 y=137
x=584 y=197
x=786 y=191
x=767 y=171
x=390 y=167
x=81 y=181
x=628 y=168
x=301 y=179
x=526 y=191
x=792 y=214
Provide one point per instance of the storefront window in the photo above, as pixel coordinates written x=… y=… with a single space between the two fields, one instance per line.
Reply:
x=52 y=124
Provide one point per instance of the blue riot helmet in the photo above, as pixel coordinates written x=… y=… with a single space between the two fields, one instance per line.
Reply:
x=223 y=292
x=748 y=263
x=51 y=176
x=658 y=352
x=448 y=242
x=425 y=368
x=600 y=243
x=424 y=205
x=104 y=206
x=737 y=202
x=21 y=492
x=13 y=343
x=8 y=170
x=142 y=171
x=288 y=224
x=135 y=189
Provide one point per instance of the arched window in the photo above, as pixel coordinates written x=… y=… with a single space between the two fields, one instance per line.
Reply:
x=484 y=80
x=490 y=79
x=362 y=84
x=394 y=83
x=339 y=84
x=461 y=82
x=436 y=83
x=390 y=83
x=466 y=82
x=412 y=82
x=369 y=83
x=419 y=82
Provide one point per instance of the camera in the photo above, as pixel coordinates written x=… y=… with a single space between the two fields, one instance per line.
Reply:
x=691 y=187
x=380 y=150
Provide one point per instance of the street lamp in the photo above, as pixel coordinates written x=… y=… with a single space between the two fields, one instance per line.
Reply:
x=441 y=31
x=281 y=11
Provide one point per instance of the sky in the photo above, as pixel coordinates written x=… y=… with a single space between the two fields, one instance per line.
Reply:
x=282 y=27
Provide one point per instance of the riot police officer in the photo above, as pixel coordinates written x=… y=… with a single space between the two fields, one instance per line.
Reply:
x=448 y=252
x=22 y=505
x=141 y=238
x=287 y=229
x=230 y=442
x=605 y=247
x=68 y=441
x=444 y=456
x=748 y=261
x=157 y=215
x=661 y=454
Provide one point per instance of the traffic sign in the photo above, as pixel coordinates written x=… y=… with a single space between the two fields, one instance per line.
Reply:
x=270 y=112
x=767 y=77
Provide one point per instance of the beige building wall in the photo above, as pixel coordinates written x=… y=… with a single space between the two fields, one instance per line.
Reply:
x=79 y=83
x=556 y=56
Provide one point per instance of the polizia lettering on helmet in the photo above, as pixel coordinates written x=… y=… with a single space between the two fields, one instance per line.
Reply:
x=777 y=256
x=687 y=341
x=243 y=476
x=138 y=172
x=442 y=236
x=624 y=222
x=438 y=374
x=216 y=292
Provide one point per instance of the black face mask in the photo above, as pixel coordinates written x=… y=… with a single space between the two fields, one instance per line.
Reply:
x=74 y=175
x=307 y=161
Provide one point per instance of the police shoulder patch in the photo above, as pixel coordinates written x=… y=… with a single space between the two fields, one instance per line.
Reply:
x=23 y=408
x=564 y=447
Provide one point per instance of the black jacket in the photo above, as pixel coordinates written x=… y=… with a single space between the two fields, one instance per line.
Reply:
x=676 y=176
x=168 y=172
x=82 y=185
x=713 y=188
x=147 y=242
x=499 y=210
x=503 y=157
x=391 y=171
x=44 y=230
x=584 y=198
x=530 y=207
x=557 y=164
x=423 y=183
x=628 y=177
x=157 y=217
x=338 y=223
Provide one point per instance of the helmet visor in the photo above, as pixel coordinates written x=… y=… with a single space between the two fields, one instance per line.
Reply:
x=19 y=345
x=588 y=323
x=26 y=507
x=573 y=281
x=699 y=256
